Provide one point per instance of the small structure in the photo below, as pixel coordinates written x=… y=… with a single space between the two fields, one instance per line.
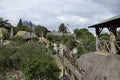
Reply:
x=42 y=40
x=56 y=33
x=112 y=45
x=102 y=67
x=20 y=33
x=25 y=34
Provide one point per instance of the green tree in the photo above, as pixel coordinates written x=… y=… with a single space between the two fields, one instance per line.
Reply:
x=118 y=35
x=6 y=28
x=86 y=41
x=105 y=36
x=22 y=27
x=40 y=30
x=4 y=23
x=77 y=33
x=62 y=28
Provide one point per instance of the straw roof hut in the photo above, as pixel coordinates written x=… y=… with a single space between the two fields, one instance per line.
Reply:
x=42 y=39
x=25 y=34
x=20 y=33
x=99 y=67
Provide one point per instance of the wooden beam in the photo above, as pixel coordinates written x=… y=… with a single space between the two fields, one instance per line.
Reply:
x=100 y=30
x=97 y=38
x=113 y=39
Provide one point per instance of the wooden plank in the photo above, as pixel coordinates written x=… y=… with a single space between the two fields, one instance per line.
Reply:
x=72 y=69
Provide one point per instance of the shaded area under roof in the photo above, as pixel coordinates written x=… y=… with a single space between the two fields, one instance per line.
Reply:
x=114 y=22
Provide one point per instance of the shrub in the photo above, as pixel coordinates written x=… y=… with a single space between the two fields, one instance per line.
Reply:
x=38 y=69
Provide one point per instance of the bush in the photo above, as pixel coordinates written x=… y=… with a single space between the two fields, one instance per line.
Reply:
x=5 y=53
x=20 y=40
x=33 y=59
x=37 y=69
x=35 y=39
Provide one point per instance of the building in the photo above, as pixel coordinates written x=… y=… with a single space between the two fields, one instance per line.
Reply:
x=25 y=34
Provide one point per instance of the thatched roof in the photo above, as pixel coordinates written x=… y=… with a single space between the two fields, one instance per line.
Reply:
x=20 y=33
x=25 y=34
x=100 y=67
x=42 y=39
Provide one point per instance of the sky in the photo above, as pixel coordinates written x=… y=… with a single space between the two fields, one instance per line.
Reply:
x=51 y=13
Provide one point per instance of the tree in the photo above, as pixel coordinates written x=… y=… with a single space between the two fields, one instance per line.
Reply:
x=105 y=36
x=22 y=27
x=40 y=30
x=86 y=40
x=62 y=28
x=6 y=28
x=77 y=33
x=4 y=23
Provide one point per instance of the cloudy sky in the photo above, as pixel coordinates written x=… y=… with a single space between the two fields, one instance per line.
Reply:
x=50 y=13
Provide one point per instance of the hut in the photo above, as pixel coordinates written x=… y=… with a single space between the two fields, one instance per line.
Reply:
x=43 y=40
x=26 y=35
x=106 y=64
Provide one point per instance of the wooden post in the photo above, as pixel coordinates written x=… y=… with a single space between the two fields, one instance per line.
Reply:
x=1 y=38
x=11 y=33
x=113 y=39
x=97 y=38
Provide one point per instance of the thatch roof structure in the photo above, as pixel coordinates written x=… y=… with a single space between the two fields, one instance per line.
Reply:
x=25 y=34
x=20 y=33
x=99 y=67
x=42 y=39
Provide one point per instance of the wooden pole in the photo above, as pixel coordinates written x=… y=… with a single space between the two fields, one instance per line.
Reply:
x=113 y=39
x=30 y=31
x=97 y=39
x=1 y=38
x=11 y=33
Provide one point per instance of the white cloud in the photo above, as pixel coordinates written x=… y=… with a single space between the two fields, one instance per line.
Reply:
x=72 y=19
x=51 y=13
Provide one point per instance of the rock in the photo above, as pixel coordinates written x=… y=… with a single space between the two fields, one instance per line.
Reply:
x=99 y=67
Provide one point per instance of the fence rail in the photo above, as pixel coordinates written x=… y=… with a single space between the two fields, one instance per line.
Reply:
x=105 y=45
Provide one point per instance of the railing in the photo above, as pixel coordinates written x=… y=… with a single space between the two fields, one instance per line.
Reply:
x=72 y=71
x=105 y=45
x=117 y=44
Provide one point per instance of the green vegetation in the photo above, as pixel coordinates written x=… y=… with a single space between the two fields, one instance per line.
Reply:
x=33 y=60
x=59 y=39
x=86 y=41
x=82 y=39
x=105 y=36
x=40 y=69
x=62 y=28
x=41 y=30
x=21 y=27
